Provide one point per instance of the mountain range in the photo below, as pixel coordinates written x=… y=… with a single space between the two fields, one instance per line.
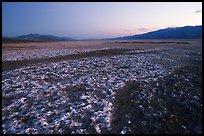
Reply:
x=186 y=32
x=37 y=38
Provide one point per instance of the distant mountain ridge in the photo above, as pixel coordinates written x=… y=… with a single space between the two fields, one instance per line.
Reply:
x=37 y=37
x=186 y=32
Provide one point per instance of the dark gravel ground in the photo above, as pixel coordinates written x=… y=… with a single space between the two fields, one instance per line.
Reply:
x=171 y=105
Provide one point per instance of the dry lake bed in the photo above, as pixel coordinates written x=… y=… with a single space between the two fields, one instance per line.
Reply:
x=89 y=87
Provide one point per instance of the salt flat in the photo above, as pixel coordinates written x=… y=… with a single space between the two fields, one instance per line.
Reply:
x=21 y=51
x=82 y=95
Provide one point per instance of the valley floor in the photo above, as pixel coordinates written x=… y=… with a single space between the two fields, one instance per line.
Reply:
x=102 y=87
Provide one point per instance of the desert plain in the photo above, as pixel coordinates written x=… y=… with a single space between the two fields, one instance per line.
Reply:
x=104 y=87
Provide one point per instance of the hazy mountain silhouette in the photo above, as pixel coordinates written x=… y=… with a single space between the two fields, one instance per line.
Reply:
x=38 y=37
x=186 y=32
x=35 y=37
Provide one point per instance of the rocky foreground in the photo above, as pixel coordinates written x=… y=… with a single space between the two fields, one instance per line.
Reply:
x=137 y=91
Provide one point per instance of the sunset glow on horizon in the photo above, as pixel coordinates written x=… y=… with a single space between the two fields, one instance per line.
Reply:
x=81 y=20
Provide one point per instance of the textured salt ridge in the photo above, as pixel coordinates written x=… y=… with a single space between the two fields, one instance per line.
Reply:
x=48 y=53
x=40 y=53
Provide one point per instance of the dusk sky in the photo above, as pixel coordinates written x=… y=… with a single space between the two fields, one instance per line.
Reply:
x=81 y=20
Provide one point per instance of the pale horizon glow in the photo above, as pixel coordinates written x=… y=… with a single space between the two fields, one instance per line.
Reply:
x=81 y=20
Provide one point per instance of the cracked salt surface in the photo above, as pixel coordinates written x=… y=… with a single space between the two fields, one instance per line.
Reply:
x=41 y=102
